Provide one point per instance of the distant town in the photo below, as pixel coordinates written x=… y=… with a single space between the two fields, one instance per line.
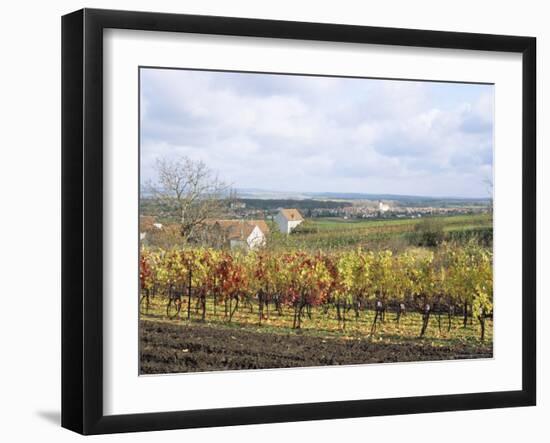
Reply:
x=358 y=209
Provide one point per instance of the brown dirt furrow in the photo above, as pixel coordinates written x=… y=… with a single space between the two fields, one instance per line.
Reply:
x=173 y=348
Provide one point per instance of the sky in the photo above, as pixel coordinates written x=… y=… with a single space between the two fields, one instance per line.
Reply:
x=292 y=133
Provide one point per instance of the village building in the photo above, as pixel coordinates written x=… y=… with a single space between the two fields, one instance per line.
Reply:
x=238 y=205
x=148 y=224
x=383 y=207
x=288 y=219
x=237 y=234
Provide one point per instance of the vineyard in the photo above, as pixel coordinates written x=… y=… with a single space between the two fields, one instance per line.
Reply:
x=437 y=291
x=334 y=234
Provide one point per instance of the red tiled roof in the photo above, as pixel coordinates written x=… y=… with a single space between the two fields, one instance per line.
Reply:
x=146 y=223
x=239 y=229
x=292 y=214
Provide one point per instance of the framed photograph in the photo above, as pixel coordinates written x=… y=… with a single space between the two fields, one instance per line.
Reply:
x=268 y=221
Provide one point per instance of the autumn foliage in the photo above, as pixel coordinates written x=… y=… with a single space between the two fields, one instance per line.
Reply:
x=451 y=280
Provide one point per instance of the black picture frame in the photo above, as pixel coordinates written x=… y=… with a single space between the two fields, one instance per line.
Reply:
x=82 y=218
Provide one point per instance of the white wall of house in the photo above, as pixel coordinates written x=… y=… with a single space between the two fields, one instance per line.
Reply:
x=256 y=238
x=292 y=224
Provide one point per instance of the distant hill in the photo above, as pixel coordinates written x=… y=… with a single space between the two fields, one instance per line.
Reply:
x=303 y=204
x=408 y=200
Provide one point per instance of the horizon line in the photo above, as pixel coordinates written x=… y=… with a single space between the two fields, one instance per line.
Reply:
x=314 y=195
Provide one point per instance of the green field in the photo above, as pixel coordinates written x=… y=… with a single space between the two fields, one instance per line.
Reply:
x=455 y=220
x=338 y=233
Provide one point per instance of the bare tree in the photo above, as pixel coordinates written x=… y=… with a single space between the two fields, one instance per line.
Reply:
x=191 y=191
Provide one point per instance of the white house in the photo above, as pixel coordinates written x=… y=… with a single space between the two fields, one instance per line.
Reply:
x=247 y=234
x=288 y=219
x=251 y=239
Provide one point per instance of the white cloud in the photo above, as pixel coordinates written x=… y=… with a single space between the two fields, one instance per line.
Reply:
x=321 y=134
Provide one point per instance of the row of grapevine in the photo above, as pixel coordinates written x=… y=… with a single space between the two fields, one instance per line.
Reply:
x=447 y=281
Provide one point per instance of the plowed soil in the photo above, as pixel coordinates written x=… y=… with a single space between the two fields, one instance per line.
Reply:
x=172 y=348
